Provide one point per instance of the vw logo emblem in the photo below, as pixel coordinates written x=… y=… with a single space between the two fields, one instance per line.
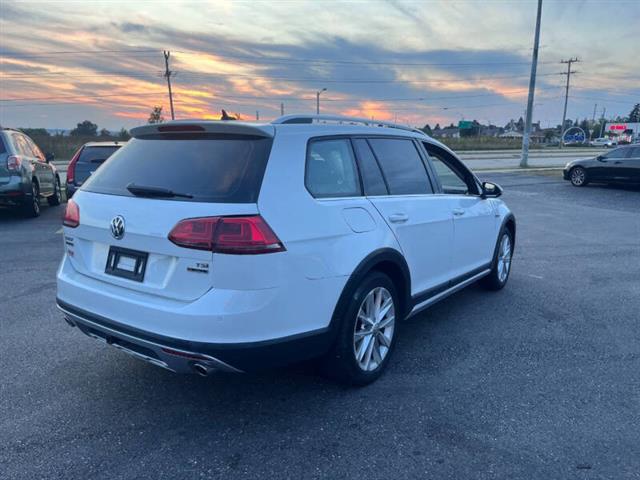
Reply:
x=117 y=227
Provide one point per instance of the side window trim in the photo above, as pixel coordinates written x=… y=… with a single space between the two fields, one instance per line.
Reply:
x=424 y=155
x=375 y=157
x=359 y=162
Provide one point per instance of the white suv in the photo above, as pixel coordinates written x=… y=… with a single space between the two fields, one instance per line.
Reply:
x=223 y=245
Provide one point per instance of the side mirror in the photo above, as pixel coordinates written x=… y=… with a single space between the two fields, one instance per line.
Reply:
x=601 y=158
x=491 y=190
x=49 y=157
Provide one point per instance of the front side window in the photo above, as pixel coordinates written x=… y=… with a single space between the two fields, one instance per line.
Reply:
x=331 y=169
x=617 y=153
x=401 y=165
x=449 y=172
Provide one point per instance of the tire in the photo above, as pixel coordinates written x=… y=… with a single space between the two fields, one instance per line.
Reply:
x=578 y=177
x=501 y=265
x=357 y=358
x=31 y=208
x=56 y=198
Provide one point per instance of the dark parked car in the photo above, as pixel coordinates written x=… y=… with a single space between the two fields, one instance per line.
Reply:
x=621 y=165
x=86 y=161
x=26 y=174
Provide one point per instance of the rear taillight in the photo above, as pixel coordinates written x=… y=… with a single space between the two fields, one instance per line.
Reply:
x=71 y=168
x=233 y=235
x=13 y=163
x=71 y=215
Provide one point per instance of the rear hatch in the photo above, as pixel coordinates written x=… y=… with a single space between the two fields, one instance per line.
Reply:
x=130 y=206
x=91 y=157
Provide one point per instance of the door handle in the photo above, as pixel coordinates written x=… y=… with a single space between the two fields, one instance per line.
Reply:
x=458 y=211
x=398 y=217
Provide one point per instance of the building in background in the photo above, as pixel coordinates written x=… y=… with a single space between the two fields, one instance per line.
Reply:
x=623 y=132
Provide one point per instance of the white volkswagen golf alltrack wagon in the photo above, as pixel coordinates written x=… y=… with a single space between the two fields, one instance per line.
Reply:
x=205 y=246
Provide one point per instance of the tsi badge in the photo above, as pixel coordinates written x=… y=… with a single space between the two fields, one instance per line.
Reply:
x=117 y=227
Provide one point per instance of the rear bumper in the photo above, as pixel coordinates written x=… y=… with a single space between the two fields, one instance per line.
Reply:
x=565 y=174
x=14 y=192
x=182 y=356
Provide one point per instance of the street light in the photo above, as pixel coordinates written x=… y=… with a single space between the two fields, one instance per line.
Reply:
x=318 y=100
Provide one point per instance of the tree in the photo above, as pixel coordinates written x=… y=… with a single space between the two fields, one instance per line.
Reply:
x=634 y=115
x=437 y=127
x=584 y=125
x=156 y=115
x=520 y=125
x=35 y=132
x=105 y=133
x=85 y=129
x=427 y=129
x=124 y=135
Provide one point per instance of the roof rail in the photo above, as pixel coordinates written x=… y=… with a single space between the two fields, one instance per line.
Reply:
x=309 y=118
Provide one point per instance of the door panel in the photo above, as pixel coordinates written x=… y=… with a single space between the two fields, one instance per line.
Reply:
x=423 y=226
x=475 y=225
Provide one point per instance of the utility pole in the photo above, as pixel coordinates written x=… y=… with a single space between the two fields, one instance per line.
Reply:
x=281 y=109
x=593 y=121
x=602 y=122
x=524 y=160
x=257 y=115
x=318 y=100
x=168 y=73
x=566 y=95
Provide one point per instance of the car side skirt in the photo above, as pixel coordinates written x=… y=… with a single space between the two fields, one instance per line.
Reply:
x=425 y=299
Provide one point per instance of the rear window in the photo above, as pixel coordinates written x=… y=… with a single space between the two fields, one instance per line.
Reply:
x=210 y=167
x=96 y=154
x=89 y=161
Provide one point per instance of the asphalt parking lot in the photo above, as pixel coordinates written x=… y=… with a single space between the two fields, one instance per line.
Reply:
x=538 y=381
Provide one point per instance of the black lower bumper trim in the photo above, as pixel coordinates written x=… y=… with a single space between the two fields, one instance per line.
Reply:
x=250 y=356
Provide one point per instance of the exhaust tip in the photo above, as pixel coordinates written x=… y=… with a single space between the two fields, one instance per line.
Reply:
x=202 y=370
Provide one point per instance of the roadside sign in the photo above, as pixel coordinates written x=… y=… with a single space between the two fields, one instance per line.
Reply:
x=465 y=124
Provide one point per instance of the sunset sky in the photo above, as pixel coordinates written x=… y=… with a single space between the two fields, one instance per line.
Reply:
x=418 y=62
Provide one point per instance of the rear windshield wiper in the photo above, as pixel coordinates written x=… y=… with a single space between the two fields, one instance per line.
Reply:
x=147 y=191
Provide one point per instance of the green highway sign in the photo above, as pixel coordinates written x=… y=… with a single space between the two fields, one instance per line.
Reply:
x=465 y=124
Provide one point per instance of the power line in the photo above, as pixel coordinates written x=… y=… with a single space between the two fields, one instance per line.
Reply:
x=400 y=99
x=78 y=96
x=72 y=52
x=263 y=59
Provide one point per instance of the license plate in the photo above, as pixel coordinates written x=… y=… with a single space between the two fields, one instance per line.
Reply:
x=126 y=263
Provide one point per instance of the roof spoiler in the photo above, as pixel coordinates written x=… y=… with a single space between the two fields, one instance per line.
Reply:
x=202 y=126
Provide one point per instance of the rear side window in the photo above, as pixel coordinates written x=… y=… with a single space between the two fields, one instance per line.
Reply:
x=402 y=166
x=371 y=174
x=3 y=149
x=90 y=159
x=210 y=167
x=331 y=169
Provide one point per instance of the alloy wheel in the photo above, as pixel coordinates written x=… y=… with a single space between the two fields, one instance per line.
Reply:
x=578 y=176
x=35 y=192
x=504 y=258
x=374 y=329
